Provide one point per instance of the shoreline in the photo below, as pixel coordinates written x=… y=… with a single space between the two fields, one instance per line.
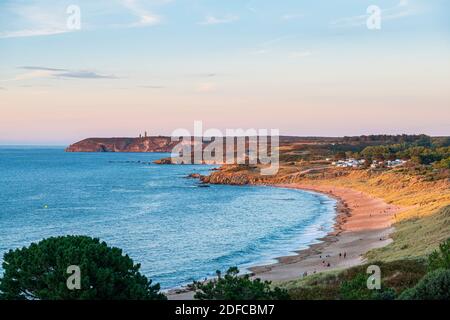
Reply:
x=362 y=223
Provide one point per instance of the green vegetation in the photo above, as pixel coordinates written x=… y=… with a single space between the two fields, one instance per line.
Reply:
x=356 y=289
x=444 y=163
x=418 y=154
x=434 y=286
x=396 y=276
x=428 y=156
x=415 y=237
x=440 y=259
x=420 y=149
x=400 y=279
x=420 y=139
x=234 y=287
x=40 y=272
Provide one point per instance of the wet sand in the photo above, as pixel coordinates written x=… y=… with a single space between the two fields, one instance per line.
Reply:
x=362 y=223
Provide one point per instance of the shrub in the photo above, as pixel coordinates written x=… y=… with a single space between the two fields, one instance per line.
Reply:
x=387 y=294
x=234 y=287
x=434 y=286
x=440 y=259
x=40 y=272
x=356 y=289
x=444 y=163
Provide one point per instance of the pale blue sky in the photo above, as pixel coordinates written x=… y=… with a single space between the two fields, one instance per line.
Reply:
x=305 y=67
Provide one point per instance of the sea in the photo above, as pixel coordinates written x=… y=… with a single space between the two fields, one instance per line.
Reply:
x=176 y=228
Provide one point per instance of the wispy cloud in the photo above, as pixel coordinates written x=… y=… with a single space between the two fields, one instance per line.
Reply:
x=402 y=9
x=34 y=86
x=41 y=18
x=212 y=20
x=274 y=41
x=37 y=20
x=292 y=16
x=31 y=33
x=41 y=68
x=250 y=7
x=259 y=51
x=2 y=88
x=152 y=87
x=34 y=74
x=206 y=87
x=84 y=75
x=146 y=17
x=267 y=46
x=300 y=54
x=203 y=75
x=48 y=72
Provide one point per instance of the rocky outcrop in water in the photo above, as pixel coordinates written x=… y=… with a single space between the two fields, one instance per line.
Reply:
x=163 y=161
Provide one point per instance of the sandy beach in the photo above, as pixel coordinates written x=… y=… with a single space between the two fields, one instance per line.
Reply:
x=362 y=223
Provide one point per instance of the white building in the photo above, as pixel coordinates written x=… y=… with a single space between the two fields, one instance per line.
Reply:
x=349 y=163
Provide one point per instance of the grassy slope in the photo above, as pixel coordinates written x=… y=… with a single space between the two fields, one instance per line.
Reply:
x=423 y=224
x=398 y=275
x=418 y=231
x=416 y=237
x=419 y=228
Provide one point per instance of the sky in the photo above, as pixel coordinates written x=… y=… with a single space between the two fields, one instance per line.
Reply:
x=308 y=68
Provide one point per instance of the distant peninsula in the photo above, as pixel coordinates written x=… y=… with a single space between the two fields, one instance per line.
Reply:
x=165 y=144
x=139 y=144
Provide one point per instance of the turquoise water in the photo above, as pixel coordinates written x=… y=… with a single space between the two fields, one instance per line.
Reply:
x=178 y=231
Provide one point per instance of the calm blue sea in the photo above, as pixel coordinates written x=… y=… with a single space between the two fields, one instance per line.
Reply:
x=178 y=231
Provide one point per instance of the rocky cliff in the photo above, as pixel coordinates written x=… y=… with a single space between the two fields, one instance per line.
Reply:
x=146 y=144
x=155 y=144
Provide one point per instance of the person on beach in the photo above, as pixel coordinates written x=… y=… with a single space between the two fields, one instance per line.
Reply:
x=345 y=255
